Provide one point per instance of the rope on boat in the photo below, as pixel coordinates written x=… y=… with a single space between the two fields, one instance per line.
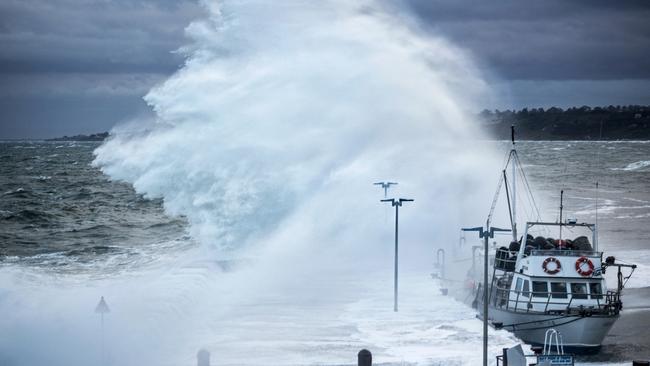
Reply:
x=539 y=321
x=530 y=196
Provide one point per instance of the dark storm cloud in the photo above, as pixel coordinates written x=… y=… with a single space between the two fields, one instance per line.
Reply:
x=92 y=36
x=547 y=40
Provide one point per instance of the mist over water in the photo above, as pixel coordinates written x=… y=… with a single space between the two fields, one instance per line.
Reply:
x=267 y=142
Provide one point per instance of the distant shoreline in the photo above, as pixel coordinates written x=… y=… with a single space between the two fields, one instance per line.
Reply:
x=484 y=138
x=101 y=136
x=611 y=123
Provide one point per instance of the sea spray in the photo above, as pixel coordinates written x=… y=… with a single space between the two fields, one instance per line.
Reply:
x=279 y=104
x=268 y=141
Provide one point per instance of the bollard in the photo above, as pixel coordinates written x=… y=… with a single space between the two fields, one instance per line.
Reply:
x=640 y=363
x=203 y=358
x=364 y=358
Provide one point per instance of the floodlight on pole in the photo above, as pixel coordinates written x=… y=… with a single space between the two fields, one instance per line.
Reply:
x=385 y=186
x=397 y=203
x=485 y=234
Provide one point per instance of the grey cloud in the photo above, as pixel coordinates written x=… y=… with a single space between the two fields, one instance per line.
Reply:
x=468 y=10
x=106 y=36
x=547 y=40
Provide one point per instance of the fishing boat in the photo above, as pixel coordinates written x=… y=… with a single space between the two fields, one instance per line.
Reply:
x=549 y=278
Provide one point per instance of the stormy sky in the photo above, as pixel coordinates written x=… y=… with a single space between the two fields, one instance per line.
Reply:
x=80 y=66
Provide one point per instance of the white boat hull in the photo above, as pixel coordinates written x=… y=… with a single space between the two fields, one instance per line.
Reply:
x=580 y=334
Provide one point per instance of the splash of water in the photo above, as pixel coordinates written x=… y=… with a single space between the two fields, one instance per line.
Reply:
x=269 y=137
x=282 y=105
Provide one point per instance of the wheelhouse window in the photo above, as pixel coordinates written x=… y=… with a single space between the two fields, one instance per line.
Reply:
x=518 y=285
x=579 y=290
x=540 y=289
x=596 y=290
x=558 y=290
x=526 y=289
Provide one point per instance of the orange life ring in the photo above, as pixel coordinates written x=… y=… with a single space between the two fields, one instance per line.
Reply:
x=584 y=272
x=558 y=265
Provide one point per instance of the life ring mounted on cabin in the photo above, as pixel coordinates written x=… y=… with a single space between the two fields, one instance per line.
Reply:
x=554 y=268
x=580 y=264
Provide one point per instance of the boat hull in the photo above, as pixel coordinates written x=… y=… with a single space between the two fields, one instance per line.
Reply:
x=581 y=334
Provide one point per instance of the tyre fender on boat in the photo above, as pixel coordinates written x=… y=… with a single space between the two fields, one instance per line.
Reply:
x=555 y=268
x=580 y=266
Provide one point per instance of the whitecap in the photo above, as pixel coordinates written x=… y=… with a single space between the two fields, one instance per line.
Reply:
x=635 y=166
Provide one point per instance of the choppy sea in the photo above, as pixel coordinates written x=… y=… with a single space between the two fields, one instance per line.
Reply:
x=70 y=234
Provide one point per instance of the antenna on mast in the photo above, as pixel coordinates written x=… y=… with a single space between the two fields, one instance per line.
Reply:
x=598 y=166
x=514 y=158
x=561 y=207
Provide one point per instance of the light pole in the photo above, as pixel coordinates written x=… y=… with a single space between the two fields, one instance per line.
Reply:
x=385 y=186
x=485 y=234
x=397 y=203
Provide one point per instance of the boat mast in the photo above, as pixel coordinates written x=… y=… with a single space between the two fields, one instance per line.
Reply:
x=561 y=207
x=595 y=239
x=513 y=156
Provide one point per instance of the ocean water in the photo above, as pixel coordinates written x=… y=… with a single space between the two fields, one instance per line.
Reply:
x=59 y=212
x=71 y=234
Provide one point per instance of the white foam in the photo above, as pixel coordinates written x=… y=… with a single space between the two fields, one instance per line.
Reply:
x=635 y=166
x=182 y=309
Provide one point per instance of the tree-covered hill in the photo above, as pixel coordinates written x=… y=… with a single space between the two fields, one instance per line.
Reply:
x=101 y=136
x=584 y=123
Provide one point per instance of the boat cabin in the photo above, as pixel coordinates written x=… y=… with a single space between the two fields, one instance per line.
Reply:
x=550 y=276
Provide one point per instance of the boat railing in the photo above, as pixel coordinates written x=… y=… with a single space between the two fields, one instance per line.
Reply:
x=608 y=303
x=504 y=260
x=613 y=299
x=565 y=253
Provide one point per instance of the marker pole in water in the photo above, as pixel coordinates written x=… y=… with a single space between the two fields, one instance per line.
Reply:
x=397 y=203
x=101 y=309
